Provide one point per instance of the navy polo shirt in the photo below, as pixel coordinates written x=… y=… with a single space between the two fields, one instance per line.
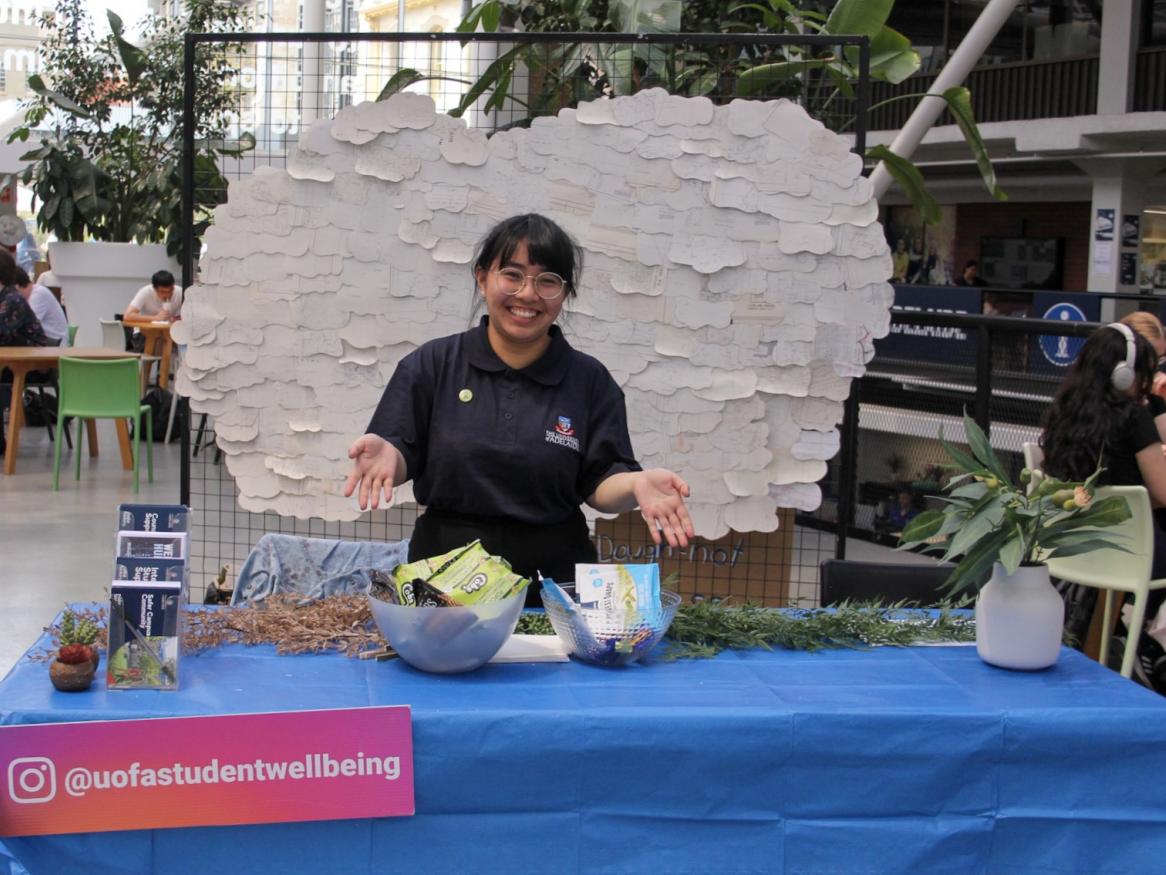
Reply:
x=482 y=438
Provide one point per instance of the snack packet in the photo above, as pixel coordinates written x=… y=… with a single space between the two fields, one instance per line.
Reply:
x=618 y=587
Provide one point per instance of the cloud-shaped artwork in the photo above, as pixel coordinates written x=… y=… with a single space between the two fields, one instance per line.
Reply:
x=735 y=280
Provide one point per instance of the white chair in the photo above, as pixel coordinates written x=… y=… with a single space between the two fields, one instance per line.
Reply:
x=1118 y=571
x=1034 y=457
x=113 y=335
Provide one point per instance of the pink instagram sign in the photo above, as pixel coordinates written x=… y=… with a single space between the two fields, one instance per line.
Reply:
x=150 y=774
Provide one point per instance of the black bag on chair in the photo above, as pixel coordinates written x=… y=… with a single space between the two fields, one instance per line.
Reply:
x=159 y=401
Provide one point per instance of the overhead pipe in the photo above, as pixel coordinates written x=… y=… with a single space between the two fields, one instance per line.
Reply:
x=954 y=72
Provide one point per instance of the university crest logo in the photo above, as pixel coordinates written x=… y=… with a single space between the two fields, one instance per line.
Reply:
x=563 y=426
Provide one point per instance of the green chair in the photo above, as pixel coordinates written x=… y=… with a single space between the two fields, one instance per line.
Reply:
x=72 y=338
x=103 y=389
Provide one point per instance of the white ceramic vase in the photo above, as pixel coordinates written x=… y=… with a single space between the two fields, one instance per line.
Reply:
x=1019 y=619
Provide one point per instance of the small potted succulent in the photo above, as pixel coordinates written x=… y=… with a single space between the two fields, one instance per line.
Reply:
x=76 y=662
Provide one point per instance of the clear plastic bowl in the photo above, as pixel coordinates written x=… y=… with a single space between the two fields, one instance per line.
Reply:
x=448 y=640
x=611 y=637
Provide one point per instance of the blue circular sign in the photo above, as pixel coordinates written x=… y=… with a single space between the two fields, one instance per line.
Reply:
x=1060 y=349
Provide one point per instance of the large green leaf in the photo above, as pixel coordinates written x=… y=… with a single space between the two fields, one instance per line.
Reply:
x=959 y=102
x=399 y=81
x=133 y=59
x=892 y=59
x=981 y=448
x=975 y=567
x=37 y=85
x=502 y=66
x=763 y=79
x=858 y=17
x=987 y=519
x=966 y=462
x=908 y=176
x=1012 y=553
x=1103 y=513
x=923 y=526
x=1086 y=546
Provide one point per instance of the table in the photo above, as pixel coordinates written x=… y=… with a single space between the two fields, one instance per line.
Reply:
x=157 y=343
x=912 y=760
x=21 y=360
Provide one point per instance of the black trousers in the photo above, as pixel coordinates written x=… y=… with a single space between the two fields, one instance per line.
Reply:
x=551 y=550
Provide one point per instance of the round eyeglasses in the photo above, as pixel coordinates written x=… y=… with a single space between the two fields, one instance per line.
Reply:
x=547 y=286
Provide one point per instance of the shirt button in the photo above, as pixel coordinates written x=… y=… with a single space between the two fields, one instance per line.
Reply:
x=509 y=416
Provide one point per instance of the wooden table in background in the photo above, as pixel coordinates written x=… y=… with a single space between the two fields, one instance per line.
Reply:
x=158 y=343
x=22 y=359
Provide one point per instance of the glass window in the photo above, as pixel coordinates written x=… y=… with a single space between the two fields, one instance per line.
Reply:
x=1154 y=22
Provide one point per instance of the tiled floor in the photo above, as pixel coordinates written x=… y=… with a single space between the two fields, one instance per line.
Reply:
x=58 y=547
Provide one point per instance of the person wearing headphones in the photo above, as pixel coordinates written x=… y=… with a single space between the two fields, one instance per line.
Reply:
x=1101 y=413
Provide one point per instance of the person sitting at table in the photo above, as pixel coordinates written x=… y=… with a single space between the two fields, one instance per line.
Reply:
x=160 y=301
x=1101 y=414
x=18 y=327
x=45 y=305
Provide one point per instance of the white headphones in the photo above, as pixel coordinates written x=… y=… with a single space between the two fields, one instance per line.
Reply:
x=1123 y=372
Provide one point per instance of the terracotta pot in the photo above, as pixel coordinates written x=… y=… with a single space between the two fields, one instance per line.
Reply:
x=72 y=678
x=1019 y=619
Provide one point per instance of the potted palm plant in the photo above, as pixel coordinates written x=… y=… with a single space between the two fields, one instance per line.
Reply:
x=1000 y=534
x=104 y=125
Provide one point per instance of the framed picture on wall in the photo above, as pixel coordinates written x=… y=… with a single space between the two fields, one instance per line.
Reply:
x=1022 y=262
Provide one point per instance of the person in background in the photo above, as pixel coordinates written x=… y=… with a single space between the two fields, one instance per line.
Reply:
x=47 y=278
x=900 y=261
x=160 y=301
x=903 y=511
x=44 y=304
x=1092 y=421
x=971 y=274
x=18 y=327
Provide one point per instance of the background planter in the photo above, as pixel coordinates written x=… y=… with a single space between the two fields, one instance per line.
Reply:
x=99 y=280
x=1019 y=619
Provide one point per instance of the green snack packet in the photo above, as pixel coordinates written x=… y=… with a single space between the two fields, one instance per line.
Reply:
x=460 y=569
x=490 y=581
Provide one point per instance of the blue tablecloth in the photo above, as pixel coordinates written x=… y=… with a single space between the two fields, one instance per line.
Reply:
x=912 y=760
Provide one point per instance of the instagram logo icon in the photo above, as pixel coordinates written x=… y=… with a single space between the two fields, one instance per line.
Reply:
x=32 y=780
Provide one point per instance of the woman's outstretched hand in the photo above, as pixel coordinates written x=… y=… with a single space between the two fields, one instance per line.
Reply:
x=373 y=467
x=660 y=495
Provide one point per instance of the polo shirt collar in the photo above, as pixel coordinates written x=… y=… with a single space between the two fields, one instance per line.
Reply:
x=549 y=369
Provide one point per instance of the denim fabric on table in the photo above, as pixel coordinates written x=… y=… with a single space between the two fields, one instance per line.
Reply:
x=313 y=567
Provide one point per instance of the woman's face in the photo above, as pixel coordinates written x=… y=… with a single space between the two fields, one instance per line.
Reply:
x=523 y=318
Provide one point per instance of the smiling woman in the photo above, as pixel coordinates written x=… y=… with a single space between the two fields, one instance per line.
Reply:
x=506 y=430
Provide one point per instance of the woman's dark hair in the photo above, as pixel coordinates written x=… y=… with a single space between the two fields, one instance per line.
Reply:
x=22 y=279
x=546 y=244
x=1087 y=409
x=7 y=268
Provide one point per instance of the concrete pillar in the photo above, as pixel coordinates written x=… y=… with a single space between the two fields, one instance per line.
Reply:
x=314 y=53
x=1119 y=46
x=1119 y=185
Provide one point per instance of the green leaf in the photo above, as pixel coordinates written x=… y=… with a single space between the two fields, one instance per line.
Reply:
x=399 y=81
x=1086 y=546
x=923 y=526
x=36 y=84
x=490 y=76
x=1108 y=511
x=975 y=489
x=764 y=79
x=959 y=102
x=491 y=16
x=892 y=59
x=977 y=564
x=987 y=519
x=133 y=59
x=966 y=462
x=910 y=179
x=859 y=17
x=981 y=448
x=1012 y=553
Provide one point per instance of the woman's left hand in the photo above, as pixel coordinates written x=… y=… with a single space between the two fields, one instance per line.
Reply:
x=660 y=495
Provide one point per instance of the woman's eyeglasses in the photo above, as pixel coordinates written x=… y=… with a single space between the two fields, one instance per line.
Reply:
x=547 y=286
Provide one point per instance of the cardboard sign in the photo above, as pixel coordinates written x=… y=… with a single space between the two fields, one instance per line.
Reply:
x=744 y=566
x=151 y=774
